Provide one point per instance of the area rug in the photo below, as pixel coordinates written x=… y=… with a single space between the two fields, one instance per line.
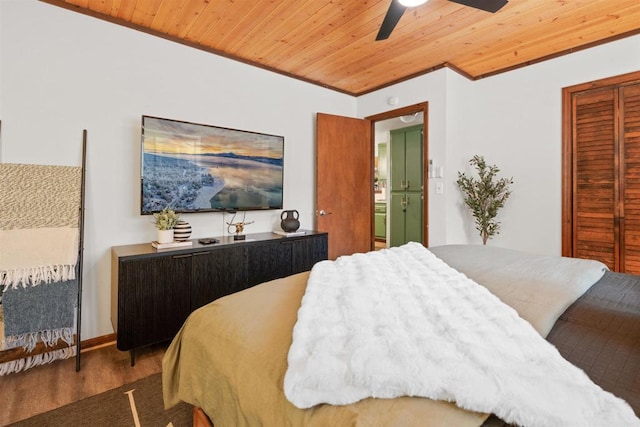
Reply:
x=138 y=404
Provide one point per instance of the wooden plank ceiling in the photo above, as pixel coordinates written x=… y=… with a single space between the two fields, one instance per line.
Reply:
x=332 y=43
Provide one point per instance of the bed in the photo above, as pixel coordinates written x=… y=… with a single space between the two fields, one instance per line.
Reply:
x=231 y=357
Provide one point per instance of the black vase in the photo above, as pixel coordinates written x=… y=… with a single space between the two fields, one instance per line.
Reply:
x=289 y=221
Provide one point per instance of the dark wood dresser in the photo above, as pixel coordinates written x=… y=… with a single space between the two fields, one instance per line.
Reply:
x=153 y=291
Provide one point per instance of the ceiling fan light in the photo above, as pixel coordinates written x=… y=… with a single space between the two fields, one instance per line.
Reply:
x=412 y=3
x=409 y=118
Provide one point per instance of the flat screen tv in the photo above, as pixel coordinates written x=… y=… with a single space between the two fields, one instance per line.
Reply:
x=191 y=167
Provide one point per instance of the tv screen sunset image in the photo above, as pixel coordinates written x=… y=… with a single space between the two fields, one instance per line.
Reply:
x=190 y=167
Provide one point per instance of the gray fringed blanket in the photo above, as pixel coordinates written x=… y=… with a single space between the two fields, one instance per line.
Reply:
x=40 y=313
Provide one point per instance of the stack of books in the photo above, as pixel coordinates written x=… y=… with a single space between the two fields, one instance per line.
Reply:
x=290 y=233
x=171 y=245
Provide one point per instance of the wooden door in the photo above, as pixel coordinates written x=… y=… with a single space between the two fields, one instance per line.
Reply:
x=406 y=186
x=630 y=173
x=397 y=150
x=595 y=187
x=414 y=167
x=601 y=178
x=344 y=183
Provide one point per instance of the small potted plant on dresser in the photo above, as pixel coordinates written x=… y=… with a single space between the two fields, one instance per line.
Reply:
x=165 y=220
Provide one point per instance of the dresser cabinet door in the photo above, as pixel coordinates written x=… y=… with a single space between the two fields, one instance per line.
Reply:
x=216 y=274
x=306 y=252
x=268 y=261
x=153 y=303
x=274 y=260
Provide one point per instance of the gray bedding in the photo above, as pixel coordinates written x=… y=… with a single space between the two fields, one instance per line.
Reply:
x=538 y=287
x=600 y=333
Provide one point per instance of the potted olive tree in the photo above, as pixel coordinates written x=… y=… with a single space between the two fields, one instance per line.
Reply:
x=165 y=220
x=484 y=195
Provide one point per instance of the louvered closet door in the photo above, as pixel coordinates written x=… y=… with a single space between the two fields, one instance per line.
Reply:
x=630 y=208
x=595 y=192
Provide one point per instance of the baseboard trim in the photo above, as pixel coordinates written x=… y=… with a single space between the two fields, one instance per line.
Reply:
x=11 y=354
x=97 y=342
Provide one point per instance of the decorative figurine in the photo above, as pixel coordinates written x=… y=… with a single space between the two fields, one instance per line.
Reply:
x=238 y=228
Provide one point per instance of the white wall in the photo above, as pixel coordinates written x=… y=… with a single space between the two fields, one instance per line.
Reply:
x=62 y=72
x=431 y=87
x=514 y=120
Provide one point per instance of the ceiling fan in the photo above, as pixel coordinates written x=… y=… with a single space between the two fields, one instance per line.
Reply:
x=397 y=8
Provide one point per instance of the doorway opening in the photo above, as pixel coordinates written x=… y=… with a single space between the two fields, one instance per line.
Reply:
x=399 y=188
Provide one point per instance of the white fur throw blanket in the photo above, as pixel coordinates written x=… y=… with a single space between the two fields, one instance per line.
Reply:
x=401 y=322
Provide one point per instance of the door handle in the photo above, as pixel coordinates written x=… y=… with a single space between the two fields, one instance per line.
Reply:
x=201 y=253
x=322 y=212
x=404 y=185
x=404 y=202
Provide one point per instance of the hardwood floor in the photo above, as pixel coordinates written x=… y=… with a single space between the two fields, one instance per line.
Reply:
x=47 y=387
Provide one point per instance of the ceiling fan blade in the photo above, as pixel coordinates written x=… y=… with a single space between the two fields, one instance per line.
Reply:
x=390 y=20
x=487 y=5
